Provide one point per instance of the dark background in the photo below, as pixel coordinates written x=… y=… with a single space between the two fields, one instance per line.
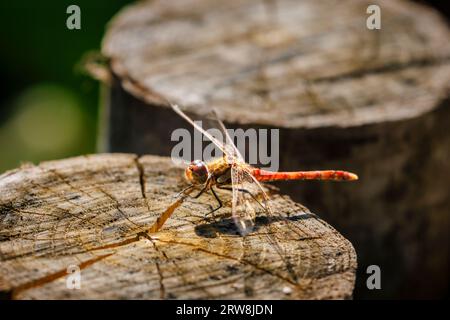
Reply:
x=48 y=106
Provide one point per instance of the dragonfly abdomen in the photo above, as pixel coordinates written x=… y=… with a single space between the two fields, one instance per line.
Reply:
x=335 y=175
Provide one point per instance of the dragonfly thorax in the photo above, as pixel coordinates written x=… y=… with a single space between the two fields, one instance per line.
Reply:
x=197 y=172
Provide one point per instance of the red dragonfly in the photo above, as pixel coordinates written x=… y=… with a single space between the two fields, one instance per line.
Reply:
x=244 y=179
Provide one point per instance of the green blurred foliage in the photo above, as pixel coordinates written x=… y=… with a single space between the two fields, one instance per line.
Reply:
x=48 y=107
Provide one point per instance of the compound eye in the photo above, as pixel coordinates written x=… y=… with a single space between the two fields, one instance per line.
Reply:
x=198 y=168
x=194 y=166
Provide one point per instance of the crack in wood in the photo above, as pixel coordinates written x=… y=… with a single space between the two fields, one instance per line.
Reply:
x=161 y=281
x=141 y=172
x=14 y=292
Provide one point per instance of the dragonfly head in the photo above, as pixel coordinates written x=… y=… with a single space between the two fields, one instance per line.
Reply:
x=197 y=172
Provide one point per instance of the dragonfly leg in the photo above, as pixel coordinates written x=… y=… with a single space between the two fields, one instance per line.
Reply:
x=184 y=190
x=218 y=200
x=245 y=191
x=206 y=186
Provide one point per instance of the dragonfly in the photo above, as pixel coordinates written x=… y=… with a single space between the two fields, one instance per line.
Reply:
x=231 y=172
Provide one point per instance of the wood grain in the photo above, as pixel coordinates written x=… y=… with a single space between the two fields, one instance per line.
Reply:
x=98 y=213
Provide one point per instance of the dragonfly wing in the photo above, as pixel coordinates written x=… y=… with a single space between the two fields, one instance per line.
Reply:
x=248 y=199
x=230 y=146
x=218 y=143
x=227 y=147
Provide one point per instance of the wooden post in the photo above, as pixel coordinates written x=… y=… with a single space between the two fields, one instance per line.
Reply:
x=96 y=215
x=375 y=102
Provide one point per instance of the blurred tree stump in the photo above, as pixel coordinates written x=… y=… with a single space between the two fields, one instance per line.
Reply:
x=375 y=102
x=98 y=213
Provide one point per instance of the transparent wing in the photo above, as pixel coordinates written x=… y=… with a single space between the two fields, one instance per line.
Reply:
x=218 y=143
x=249 y=199
x=229 y=143
x=213 y=124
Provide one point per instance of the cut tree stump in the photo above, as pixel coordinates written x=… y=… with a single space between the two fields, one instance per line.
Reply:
x=98 y=213
x=375 y=102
